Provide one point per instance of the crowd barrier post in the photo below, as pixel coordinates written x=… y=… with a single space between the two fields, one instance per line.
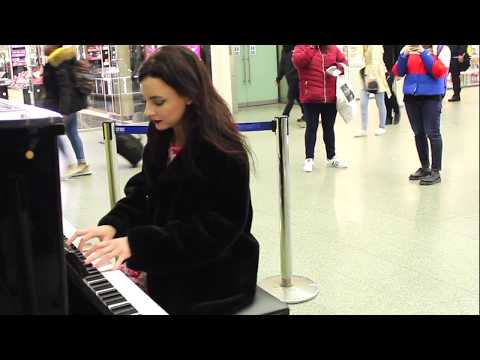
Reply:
x=286 y=287
x=111 y=160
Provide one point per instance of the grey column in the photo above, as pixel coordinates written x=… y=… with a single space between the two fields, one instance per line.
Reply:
x=122 y=86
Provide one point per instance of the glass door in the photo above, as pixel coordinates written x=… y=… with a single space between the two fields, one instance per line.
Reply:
x=255 y=68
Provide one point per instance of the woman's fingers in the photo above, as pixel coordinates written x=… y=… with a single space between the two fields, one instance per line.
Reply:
x=84 y=239
x=119 y=262
x=104 y=260
x=98 y=248
x=76 y=234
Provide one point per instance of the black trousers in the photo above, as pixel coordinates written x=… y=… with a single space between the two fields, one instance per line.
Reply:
x=424 y=116
x=328 y=112
x=293 y=94
x=391 y=102
x=456 y=81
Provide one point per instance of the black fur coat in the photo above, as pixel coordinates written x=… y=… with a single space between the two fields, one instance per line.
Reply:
x=190 y=231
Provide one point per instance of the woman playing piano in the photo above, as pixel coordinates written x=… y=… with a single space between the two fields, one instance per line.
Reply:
x=186 y=217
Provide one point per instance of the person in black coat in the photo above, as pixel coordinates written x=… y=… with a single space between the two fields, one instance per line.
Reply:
x=186 y=218
x=287 y=69
x=62 y=96
x=458 y=55
x=390 y=57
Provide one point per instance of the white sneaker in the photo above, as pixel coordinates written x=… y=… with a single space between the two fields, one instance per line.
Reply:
x=82 y=169
x=336 y=163
x=380 y=131
x=70 y=172
x=361 y=133
x=308 y=167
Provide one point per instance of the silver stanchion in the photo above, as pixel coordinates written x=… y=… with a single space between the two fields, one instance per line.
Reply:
x=289 y=289
x=111 y=163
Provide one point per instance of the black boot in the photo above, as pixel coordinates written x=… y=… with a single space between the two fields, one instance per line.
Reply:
x=419 y=174
x=454 y=98
x=396 y=118
x=433 y=178
x=388 y=120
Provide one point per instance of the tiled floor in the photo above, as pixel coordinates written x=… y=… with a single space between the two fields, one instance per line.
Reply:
x=373 y=241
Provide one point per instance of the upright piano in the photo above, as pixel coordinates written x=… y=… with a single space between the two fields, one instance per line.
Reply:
x=39 y=274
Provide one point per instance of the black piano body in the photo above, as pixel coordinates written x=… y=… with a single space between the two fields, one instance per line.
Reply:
x=32 y=263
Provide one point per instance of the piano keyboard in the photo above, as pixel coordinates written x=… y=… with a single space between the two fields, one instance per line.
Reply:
x=113 y=288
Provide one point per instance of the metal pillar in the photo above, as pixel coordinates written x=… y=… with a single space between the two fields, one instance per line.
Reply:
x=289 y=289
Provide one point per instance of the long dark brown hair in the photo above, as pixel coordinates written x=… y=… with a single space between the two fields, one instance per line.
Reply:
x=208 y=116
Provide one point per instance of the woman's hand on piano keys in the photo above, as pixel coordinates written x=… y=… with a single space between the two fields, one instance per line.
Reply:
x=103 y=252
x=104 y=232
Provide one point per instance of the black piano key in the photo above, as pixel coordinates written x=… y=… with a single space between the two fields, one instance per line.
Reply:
x=130 y=310
x=101 y=282
x=114 y=300
x=78 y=253
x=92 y=271
x=97 y=282
x=108 y=293
x=94 y=277
x=97 y=288
x=119 y=308
x=77 y=265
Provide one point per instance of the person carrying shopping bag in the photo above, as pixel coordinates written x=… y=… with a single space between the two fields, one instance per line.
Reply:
x=318 y=67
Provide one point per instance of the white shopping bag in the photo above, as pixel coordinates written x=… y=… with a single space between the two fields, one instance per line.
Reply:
x=345 y=99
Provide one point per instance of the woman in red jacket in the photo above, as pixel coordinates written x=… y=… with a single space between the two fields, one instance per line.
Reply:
x=317 y=67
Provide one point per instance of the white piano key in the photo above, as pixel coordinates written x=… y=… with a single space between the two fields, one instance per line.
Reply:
x=134 y=295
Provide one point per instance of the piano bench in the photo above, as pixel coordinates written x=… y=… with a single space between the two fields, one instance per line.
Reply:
x=265 y=304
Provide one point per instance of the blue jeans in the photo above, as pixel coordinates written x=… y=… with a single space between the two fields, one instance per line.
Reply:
x=382 y=110
x=424 y=116
x=72 y=134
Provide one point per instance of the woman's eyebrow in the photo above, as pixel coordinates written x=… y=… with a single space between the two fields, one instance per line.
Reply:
x=156 y=98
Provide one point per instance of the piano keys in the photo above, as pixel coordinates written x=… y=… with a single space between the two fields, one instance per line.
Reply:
x=109 y=292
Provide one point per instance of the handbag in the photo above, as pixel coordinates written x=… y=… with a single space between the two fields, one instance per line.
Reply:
x=370 y=86
x=465 y=65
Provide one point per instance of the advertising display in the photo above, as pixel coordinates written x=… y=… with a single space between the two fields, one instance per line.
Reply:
x=150 y=49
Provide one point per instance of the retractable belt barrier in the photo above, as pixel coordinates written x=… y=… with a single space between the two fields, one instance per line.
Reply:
x=286 y=287
x=244 y=127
